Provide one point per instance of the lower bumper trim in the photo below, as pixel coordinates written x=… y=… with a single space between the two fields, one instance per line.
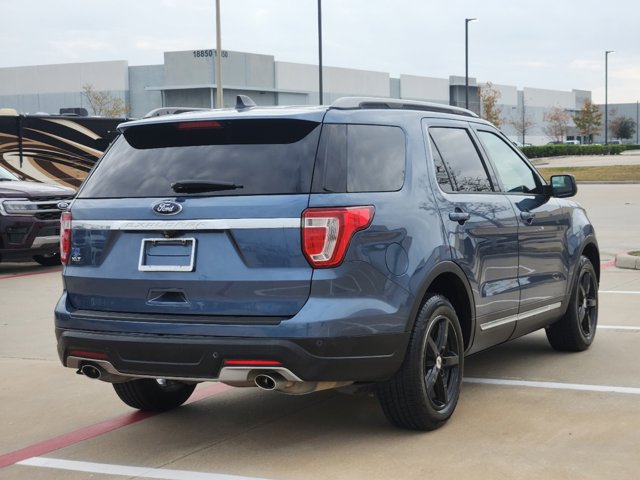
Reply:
x=357 y=359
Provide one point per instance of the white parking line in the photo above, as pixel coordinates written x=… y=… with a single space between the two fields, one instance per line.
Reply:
x=554 y=385
x=617 y=327
x=621 y=292
x=127 y=470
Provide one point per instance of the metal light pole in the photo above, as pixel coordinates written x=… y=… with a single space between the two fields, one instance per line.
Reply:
x=320 y=51
x=466 y=60
x=606 y=96
x=523 y=119
x=218 y=79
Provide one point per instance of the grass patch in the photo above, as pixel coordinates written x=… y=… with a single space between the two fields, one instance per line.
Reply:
x=635 y=254
x=610 y=173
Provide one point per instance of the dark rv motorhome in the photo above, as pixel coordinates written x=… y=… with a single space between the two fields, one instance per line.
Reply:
x=54 y=148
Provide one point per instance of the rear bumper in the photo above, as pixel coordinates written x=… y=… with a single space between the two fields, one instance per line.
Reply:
x=358 y=359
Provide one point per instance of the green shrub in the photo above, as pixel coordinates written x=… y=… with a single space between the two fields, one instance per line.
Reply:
x=564 y=150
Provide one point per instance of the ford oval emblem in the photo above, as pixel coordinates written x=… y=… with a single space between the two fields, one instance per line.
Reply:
x=167 y=207
x=63 y=205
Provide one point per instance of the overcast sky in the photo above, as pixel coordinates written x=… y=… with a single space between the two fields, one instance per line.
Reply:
x=554 y=44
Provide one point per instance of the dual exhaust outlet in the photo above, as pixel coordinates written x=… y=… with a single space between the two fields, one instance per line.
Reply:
x=267 y=380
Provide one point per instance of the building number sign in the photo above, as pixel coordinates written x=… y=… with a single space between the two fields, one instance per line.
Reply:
x=209 y=53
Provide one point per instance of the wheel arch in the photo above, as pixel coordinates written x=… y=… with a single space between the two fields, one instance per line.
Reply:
x=448 y=279
x=590 y=250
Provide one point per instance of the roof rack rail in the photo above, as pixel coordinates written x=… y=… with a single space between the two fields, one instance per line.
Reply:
x=355 y=103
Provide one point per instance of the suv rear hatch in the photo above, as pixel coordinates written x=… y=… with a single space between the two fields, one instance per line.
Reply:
x=198 y=216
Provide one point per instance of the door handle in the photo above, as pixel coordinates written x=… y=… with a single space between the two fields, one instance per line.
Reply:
x=459 y=216
x=527 y=216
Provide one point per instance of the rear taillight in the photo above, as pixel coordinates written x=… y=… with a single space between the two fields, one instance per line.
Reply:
x=326 y=233
x=65 y=237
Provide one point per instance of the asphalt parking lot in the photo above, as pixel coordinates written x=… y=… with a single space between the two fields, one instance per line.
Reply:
x=525 y=412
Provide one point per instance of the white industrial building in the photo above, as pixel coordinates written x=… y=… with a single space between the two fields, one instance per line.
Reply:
x=187 y=78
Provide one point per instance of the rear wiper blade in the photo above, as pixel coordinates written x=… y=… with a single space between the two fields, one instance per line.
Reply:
x=200 y=186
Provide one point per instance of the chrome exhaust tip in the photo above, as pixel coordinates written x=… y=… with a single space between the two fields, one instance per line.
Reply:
x=266 y=382
x=91 y=371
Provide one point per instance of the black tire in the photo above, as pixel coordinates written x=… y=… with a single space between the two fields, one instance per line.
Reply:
x=50 y=260
x=424 y=392
x=151 y=395
x=575 y=331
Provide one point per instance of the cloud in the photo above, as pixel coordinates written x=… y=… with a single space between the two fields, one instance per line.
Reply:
x=534 y=64
x=78 y=49
x=154 y=44
x=586 y=64
x=625 y=73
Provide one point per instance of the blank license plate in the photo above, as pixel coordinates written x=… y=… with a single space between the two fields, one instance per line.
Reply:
x=167 y=255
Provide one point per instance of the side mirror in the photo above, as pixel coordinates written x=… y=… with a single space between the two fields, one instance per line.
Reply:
x=563 y=186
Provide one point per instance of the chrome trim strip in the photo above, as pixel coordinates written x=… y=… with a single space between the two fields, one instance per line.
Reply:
x=242 y=374
x=498 y=322
x=227 y=374
x=203 y=224
x=113 y=374
x=50 y=240
x=520 y=316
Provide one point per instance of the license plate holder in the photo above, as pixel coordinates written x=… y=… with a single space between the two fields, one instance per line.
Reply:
x=167 y=255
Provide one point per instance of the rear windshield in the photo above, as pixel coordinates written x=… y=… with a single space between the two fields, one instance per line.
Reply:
x=258 y=157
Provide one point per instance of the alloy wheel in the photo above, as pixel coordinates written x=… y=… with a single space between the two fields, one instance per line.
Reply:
x=442 y=360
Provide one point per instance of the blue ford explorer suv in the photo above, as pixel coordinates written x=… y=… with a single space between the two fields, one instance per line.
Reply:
x=372 y=242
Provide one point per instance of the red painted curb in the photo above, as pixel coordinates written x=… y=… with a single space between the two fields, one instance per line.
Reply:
x=608 y=264
x=52 y=270
x=96 y=430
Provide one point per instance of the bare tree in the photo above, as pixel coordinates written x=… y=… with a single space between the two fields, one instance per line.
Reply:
x=557 y=124
x=103 y=104
x=522 y=123
x=588 y=120
x=490 y=110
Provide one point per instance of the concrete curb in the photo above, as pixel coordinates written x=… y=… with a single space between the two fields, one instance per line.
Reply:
x=624 y=260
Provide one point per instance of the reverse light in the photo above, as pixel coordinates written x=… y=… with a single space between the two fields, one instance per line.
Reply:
x=327 y=232
x=65 y=237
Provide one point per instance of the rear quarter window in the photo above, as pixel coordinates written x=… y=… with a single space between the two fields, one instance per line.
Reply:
x=360 y=158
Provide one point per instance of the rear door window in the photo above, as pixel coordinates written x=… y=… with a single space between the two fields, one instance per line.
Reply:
x=260 y=157
x=458 y=165
x=360 y=158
